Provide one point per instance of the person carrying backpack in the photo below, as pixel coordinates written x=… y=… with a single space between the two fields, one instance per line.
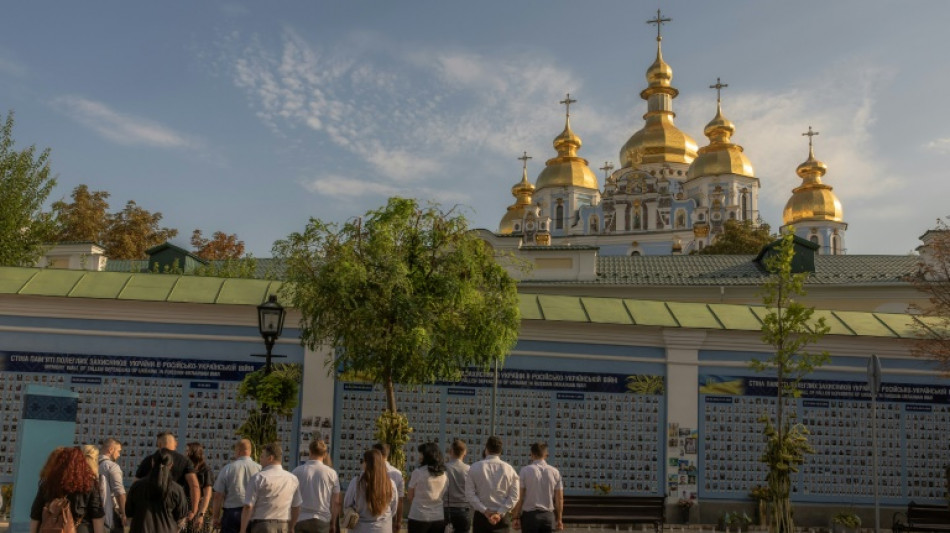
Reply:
x=68 y=500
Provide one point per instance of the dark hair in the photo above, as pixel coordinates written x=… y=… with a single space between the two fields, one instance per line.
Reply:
x=493 y=445
x=432 y=458
x=318 y=448
x=109 y=442
x=382 y=448
x=458 y=447
x=159 y=479
x=539 y=449
x=273 y=449
x=69 y=474
x=196 y=453
x=375 y=482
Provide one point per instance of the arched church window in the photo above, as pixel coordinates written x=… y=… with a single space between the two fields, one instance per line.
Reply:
x=680 y=219
x=834 y=245
x=559 y=217
x=746 y=215
x=594 y=224
x=627 y=219
x=732 y=215
x=517 y=227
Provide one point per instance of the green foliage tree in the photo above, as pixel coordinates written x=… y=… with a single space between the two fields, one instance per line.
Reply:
x=220 y=246
x=85 y=218
x=275 y=395
x=407 y=294
x=25 y=184
x=788 y=327
x=740 y=238
x=132 y=231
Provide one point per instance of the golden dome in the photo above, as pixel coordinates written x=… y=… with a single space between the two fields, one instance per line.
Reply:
x=567 y=169
x=522 y=192
x=812 y=200
x=721 y=155
x=659 y=141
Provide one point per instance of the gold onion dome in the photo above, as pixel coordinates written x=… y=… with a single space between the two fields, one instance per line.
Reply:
x=659 y=141
x=522 y=191
x=567 y=169
x=721 y=155
x=812 y=200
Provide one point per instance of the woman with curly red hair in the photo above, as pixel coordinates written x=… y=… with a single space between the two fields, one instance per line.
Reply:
x=69 y=476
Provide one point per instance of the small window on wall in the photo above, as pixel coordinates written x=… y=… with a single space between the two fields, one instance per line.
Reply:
x=732 y=215
x=680 y=219
x=834 y=245
x=594 y=224
x=517 y=227
x=559 y=217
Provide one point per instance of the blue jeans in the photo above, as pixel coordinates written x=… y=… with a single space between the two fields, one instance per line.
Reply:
x=460 y=518
x=231 y=520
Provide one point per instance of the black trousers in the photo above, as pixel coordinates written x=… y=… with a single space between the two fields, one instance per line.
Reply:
x=460 y=518
x=480 y=524
x=418 y=526
x=537 y=522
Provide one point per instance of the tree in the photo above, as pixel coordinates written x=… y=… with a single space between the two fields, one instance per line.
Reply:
x=932 y=324
x=788 y=327
x=406 y=294
x=132 y=231
x=740 y=237
x=276 y=395
x=220 y=246
x=25 y=183
x=84 y=219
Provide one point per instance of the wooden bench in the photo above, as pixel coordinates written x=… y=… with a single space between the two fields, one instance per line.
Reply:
x=921 y=517
x=616 y=510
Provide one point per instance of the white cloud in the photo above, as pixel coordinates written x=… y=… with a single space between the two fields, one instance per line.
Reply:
x=354 y=188
x=10 y=66
x=941 y=146
x=119 y=127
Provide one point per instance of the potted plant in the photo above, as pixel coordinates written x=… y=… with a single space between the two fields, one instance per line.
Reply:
x=845 y=522
x=734 y=521
x=684 y=505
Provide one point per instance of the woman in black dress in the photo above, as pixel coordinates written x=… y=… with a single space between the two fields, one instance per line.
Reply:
x=156 y=504
x=67 y=475
x=196 y=454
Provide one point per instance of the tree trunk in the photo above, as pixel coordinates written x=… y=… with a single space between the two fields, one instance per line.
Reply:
x=390 y=394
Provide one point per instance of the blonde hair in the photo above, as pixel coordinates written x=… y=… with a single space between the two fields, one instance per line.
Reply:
x=91 y=453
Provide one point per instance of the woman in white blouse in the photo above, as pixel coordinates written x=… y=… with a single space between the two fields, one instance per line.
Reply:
x=426 y=488
x=373 y=495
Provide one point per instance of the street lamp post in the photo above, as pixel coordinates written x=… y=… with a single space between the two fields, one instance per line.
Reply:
x=270 y=322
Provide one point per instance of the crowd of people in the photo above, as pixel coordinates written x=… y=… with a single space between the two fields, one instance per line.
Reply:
x=172 y=493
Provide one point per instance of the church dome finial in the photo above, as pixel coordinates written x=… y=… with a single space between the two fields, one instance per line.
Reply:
x=567 y=169
x=721 y=155
x=522 y=191
x=812 y=200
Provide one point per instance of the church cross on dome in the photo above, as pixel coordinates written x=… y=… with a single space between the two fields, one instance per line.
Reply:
x=606 y=168
x=659 y=21
x=567 y=103
x=810 y=134
x=719 y=86
x=524 y=160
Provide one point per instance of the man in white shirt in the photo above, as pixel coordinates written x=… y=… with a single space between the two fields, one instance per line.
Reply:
x=230 y=487
x=396 y=476
x=111 y=487
x=492 y=489
x=541 y=505
x=458 y=512
x=320 y=490
x=272 y=503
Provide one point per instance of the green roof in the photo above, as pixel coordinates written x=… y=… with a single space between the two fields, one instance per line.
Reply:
x=534 y=307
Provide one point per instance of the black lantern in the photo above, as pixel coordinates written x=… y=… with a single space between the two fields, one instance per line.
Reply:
x=270 y=322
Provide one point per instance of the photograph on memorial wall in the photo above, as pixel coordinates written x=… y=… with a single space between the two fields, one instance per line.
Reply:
x=604 y=430
x=134 y=398
x=912 y=421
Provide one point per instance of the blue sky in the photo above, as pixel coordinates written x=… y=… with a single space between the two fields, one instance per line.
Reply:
x=250 y=118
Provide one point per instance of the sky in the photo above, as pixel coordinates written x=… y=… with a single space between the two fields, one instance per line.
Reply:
x=250 y=118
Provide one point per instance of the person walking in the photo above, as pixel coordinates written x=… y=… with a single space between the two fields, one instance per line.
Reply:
x=396 y=476
x=426 y=489
x=230 y=488
x=492 y=489
x=111 y=487
x=541 y=505
x=373 y=495
x=272 y=501
x=457 y=510
x=183 y=472
x=69 y=476
x=156 y=503
x=320 y=490
x=195 y=452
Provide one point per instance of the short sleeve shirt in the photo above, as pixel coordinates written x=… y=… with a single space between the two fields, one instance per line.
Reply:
x=428 y=491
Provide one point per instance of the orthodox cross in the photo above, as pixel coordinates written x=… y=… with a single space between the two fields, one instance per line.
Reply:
x=606 y=168
x=524 y=160
x=659 y=21
x=719 y=86
x=810 y=134
x=567 y=102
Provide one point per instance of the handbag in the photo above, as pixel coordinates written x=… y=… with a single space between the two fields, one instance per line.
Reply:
x=350 y=518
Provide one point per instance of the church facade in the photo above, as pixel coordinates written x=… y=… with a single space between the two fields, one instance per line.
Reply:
x=668 y=195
